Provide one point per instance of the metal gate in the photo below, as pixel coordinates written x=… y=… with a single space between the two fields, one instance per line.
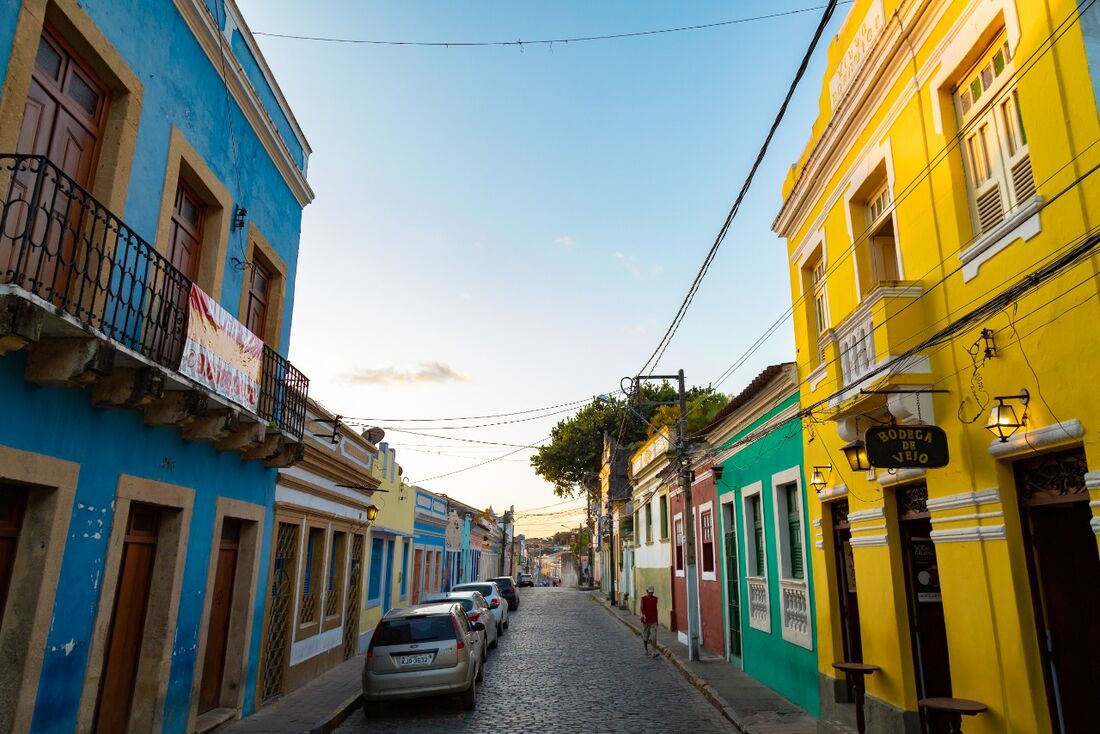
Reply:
x=351 y=607
x=280 y=602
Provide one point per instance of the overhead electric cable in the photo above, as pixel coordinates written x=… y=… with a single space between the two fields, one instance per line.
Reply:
x=655 y=357
x=546 y=41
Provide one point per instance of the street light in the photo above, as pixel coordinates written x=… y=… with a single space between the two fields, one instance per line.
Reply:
x=856 y=453
x=817 y=479
x=1003 y=421
x=372 y=513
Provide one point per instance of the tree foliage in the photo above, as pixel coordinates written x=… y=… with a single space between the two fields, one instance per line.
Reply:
x=571 y=461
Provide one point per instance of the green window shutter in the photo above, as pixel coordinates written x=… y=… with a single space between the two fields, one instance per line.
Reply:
x=794 y=530
x=664 y=516
x=758 y=535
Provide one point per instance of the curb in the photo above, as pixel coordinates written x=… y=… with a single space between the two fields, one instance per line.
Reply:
x=339 y=716
x=705 y=688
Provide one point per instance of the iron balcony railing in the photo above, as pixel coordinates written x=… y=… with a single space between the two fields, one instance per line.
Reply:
x=61 y=244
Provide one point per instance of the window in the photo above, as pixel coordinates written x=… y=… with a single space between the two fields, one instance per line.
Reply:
x=706 y=523
x=374 y=583
x=335 y=575
x=259 y=288
x=664 y=517
x=649 y=522
x=185 y=231
x=881 y=241
x=995 y=150
x=756 y=517
x=404 y=569
x=315 y=557
x=637 y=531
x=679 y=542
x=813 y=276
x=793 y=562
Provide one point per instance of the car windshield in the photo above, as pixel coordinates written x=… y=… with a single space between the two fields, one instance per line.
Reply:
x=485 y=589
x=409 y=630
x=504 y=583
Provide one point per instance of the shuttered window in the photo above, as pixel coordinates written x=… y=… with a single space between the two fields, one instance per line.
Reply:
x=664 y=517
x=995 y=150
x=757 y=534
x=794 y=532
x=649 y=522
x=706 y=523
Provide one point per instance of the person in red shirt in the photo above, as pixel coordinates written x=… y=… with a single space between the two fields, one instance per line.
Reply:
x=649 y=621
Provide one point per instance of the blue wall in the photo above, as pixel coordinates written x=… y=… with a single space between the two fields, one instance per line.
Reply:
x=107 y=443
x=783 y=666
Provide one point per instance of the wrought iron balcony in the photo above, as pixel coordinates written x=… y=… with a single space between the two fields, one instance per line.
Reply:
x=82 y=264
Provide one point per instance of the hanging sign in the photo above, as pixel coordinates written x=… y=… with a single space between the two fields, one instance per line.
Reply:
x=220 y=352
x=906 y=447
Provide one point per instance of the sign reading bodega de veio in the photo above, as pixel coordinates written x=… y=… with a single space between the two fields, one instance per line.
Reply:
x=906 y=447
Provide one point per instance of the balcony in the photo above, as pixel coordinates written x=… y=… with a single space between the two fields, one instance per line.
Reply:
x=96 y=305
x=885 y=325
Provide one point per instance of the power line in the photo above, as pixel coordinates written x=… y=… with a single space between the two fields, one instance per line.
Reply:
x=521 y=44
x=474 y=417
x=655 y=357
x=466 y=440
x=479 y=464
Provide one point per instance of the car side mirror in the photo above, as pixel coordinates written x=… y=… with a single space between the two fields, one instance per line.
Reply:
x=479 y=626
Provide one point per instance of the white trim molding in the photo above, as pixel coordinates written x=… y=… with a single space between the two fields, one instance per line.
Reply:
x=1095 y=521
x=1037 y=438
x=874 y=513
x=794 y=606
x=969 y=534
x=1092 y=480
x=964 y=500
x=760 y=614
x=900 y=476
x=1021 y=224
x=868 y=541
x=831 y=493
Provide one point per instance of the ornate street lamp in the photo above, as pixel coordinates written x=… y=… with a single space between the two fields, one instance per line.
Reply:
x=817 y=479
x=1003 y=420
x=372 y=513
x=856 y=453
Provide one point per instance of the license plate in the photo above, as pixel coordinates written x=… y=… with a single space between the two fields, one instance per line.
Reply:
x=423 y=658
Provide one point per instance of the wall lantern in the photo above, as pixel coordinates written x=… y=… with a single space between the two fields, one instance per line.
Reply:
x=1003 y=420
x=856 y=453
x=990 y=345
x=817 y=479
x=372 y=513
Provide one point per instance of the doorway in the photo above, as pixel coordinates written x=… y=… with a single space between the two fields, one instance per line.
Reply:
x=63 y=120
x=124 y=641
x=387 y=590
x=280 y=604
x=351 y=604
x=927 y=627
x=13 y=504
x=847 y=596
x=418 y=554
x=221 y=606
x=733 y=584
x=1064 y=574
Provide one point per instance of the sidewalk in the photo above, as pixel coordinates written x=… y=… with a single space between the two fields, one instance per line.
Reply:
x=749 y=705
x=318 y=707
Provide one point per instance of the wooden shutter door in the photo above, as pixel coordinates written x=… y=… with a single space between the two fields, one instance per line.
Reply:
x=221 y=606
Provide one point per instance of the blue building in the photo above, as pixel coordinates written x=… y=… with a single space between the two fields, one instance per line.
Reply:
x=152 y=180
x=429 y=543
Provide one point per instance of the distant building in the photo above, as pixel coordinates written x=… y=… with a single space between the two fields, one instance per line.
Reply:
x=429 y=543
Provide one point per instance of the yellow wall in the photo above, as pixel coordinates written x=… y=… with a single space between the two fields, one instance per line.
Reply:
x=903 y=116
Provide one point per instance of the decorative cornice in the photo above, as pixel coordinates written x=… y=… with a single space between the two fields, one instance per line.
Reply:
x=1092 y=480
x=1021 y=224
x=874 y=513
x=900 y=476
x=205 y=29
x=969 y=534
x=831 y=493
x=869 y=541
x=1037 y=438
x=965 y=499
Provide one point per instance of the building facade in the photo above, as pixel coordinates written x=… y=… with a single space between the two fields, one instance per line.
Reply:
x=652 y=545
x=763 y=533
x=318 y=558
x=429 y=544
x=941 y=230
x=707 y=561
x=131 y=478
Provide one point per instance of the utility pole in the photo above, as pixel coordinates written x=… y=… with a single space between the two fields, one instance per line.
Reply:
x=683 y=467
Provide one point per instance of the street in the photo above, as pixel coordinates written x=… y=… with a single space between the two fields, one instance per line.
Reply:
x=563 y=665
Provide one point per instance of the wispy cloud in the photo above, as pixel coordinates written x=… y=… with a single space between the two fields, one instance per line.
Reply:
x=630 y=264
x=565 y=242
x=656 y=268
x=425 y=372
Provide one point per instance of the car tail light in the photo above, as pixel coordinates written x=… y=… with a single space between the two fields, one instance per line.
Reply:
x=459 y=637
x=373 y=639
x=473 y=616
x=494 y=603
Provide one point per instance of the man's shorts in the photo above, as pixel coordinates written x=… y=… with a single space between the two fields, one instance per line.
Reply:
x=649 y=631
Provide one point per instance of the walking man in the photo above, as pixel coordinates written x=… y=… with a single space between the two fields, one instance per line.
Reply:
x=649 y=621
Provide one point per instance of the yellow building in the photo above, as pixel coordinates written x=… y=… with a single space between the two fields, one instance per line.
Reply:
x=953 y=158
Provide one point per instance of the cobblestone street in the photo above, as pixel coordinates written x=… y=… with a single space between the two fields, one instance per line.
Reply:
x=564 y=665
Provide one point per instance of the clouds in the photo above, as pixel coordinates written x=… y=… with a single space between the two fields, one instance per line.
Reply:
x=565 y=242
x=426 y=372
x=634 y=266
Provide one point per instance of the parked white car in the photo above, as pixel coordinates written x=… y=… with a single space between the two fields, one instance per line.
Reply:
x=477 y=609
x=498 y=605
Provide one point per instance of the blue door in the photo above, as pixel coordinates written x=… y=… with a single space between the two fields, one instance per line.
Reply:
x=387 y=592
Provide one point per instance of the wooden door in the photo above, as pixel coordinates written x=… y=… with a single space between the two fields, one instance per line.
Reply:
x=927 y=627
x=185 y=231
x=846 y=584
x=259 y=288
x=63 y=120
x=13 y=503
x=123 y=650
x=221 y=607
x=417 y=555
x=1064 y=571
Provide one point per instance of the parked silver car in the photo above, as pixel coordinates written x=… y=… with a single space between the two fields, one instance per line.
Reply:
x=423 y=651
x=477 y=609
x=498 y=605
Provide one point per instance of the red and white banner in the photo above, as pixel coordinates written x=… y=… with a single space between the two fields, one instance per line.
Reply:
x=220 y=352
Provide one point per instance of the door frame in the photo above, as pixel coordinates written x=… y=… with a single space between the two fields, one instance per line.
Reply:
x=176 y=503
x=730 y=500
x=242 y=613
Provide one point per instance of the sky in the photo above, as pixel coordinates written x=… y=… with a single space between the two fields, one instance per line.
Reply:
x=498 y=229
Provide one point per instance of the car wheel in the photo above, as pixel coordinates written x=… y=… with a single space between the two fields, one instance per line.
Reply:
x=500 y=630
x=469 y=696
x=505 y=623
x=371 y=709
x=480 y=673
x=493 y=644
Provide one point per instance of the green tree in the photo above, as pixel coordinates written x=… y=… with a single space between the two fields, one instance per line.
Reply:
x=703 y=403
